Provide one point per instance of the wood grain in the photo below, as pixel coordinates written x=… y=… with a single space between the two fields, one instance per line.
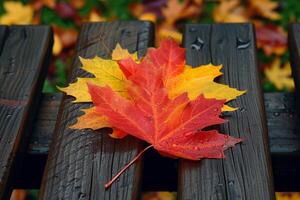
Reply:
x=294 y=49
x=283 y=124
x=282 y=120
x=25 y=51
x=44 y=124
x=246 y=172
x=80 y=162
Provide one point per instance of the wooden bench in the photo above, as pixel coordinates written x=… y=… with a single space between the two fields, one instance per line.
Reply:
x=80 y=162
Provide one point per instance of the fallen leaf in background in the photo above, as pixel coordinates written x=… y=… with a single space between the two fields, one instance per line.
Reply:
x=230 y=11
x=148 y=17
x=176 y=10
x=77 y=3
x=159 y=196
x=264 y=8
x=167 y=33
x=96 y=17
x=287 y=195
x=18 y=194
x=57 y=46
x=149 y=6
x=166 y=13
x=38 y=4
x=272 y=39
x=16 y=13
x=280 y=76
x=65 y=10
x=67 y=36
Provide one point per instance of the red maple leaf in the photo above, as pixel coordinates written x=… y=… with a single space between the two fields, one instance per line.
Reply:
x=174 y=127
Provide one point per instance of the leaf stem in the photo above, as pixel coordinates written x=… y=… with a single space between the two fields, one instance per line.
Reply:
x=108 y=184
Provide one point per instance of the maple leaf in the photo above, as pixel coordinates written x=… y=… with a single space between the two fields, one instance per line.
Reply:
x=200 y=80
x=106 y=72
x=264 y=8
x=230 y=11
x=176 y=10
x=175 y=126
x=155 y=104
x=16 y=13
x=57 y=46
x=179 y=78
x=271 y=38
x=280 y=76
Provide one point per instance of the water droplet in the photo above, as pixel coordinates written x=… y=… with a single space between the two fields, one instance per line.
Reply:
x=230 y=183
x=243 y=109
x=276 y=114
x=197 y=44
x=192 y=29
x=242 y=44
x=8 y=115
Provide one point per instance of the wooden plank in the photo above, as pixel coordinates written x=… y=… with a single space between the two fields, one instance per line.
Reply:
x=282 y=120
x=3 y=30
x=80 y=162
x=44 y=124
x=246 y=172
x=283 y=124
x=294 y=49
x=284 y=139
x=23 y=66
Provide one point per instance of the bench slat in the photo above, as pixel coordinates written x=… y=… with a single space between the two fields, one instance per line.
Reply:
x=284 y=134
x=25 y=51
x=246 y=172
x=80 y=162
x=44 y=124
x=294 y=49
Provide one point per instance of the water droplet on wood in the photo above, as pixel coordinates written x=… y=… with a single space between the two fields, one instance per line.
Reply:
x=242 y=44
x=231 y=183
x=276 y=114
x=192 y=29
x=197 y=44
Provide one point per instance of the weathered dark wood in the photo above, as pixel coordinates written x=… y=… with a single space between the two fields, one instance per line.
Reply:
x=282 y=119
x=80 y=162
x=246 y=172
x=294 y=49
x=24 y=54
x=44 y=124
x=284 y=139
x=283 y=124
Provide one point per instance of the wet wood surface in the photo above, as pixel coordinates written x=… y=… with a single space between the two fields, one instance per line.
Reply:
x=80 y=162
x=246 y=172
x=24 y=55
